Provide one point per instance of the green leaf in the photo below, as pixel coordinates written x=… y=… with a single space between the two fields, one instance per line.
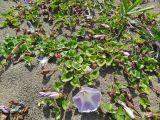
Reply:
x=120 y=117
x=95 y=74
x=76 y=65
x=144 y=102
x=109 y=61
x=84 y=45
x=75 y=82
x=28 y=59
x=68 y=63
x=140 y=10
x=120 y=114
x=15 y=23
x=57 y=112
x=136 y=73
x=71 y=53
x=67 y=77
x=134 y=5
x=140 y=65
x=144 y=87
x=90 y=81
x=82 y=32
x=108 y=107
x=101 y=62
x=3 y=62
x=99 y=48
x=3 y=24
x=41 y=103
x=93 y=58
x=53 y=6
x=120 y=111
x=71 y=44
x=140 y=41
x=65 y=104
x=57 y=86
x=90 y=51
x=123 y=9
x=156 y=33
x=125 y=4
x=120 y=85
x=79 y=59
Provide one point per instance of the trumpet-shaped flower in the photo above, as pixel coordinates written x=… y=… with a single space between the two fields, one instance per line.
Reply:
x=87 y=99
x=49 y=94
x=127 y=109
x=4 y=109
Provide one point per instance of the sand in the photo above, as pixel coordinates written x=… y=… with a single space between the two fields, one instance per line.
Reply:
x=23 y=84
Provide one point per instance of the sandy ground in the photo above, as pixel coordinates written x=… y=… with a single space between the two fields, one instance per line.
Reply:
x=21 y=83
x=4 y=5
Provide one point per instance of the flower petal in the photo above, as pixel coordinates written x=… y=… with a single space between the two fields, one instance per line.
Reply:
x=77 y=102
x=49 y=94
x=88 y=106
x=90 y=90
x=4 y=109
x=96 y=97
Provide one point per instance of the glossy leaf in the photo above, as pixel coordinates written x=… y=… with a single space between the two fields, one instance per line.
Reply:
x=67 y=77
x=75 y=82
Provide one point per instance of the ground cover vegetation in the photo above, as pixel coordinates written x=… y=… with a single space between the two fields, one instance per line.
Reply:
x=84 y=37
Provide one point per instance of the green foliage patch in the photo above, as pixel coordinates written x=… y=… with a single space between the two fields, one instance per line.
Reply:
x=100 y=34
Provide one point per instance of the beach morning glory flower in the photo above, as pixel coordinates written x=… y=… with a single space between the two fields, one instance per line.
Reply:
x=4 y=109
x=50 y=94
x=127 y=109
x=87 y=99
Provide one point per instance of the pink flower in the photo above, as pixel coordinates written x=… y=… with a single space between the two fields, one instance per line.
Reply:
x=4 y=109
x=49 y=94
x=87 y=99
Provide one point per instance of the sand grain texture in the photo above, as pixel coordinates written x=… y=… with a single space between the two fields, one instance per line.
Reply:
x=23 y=84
